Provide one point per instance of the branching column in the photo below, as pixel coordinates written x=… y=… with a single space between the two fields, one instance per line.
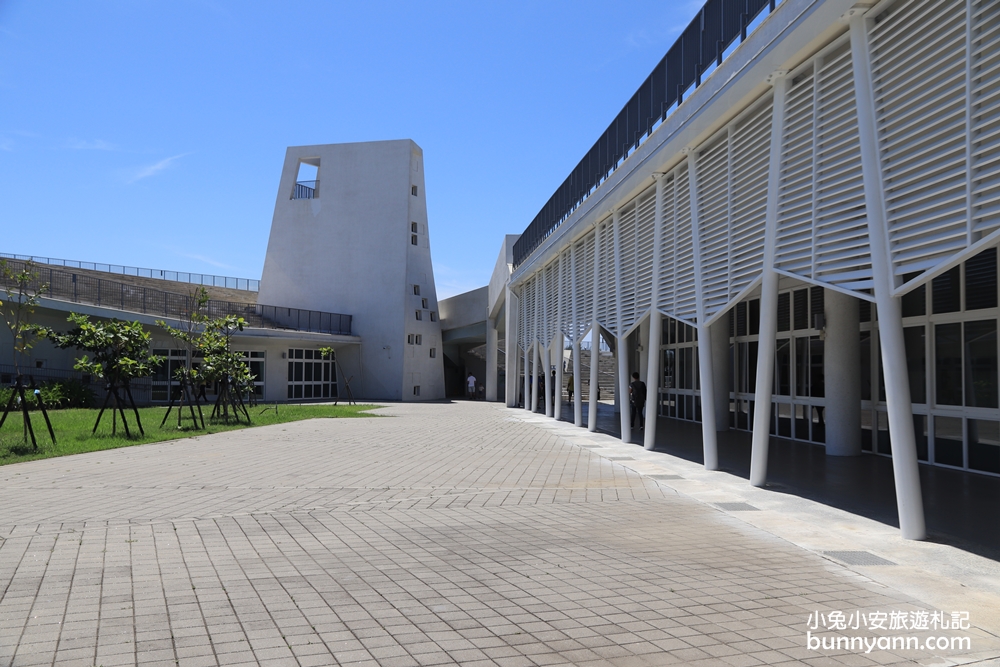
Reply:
x=905 y=470
x=655 y=325
x=705 y=375
x=768 y=297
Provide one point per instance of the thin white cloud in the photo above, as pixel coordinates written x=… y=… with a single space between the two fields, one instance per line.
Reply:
x=93 y=145
x=155 y=168
x=208 y=260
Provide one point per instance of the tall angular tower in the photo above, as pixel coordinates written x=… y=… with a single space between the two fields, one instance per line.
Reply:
x=349 y=235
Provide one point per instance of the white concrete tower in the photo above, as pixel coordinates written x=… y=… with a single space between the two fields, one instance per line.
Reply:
x=349 y=235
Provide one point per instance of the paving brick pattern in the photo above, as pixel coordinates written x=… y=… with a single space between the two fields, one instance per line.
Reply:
x=447 y=534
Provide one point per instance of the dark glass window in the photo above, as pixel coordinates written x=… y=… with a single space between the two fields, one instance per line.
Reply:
x=865 y=310
x=948 y=363
x=784 y=311
x=920 y=431
x=984 y=445
x=816 y=377
x=866 y=364
x=883 y=440
x=801 y=309
x=981 y=364
x=801 y=367
x=915 y=301
x=948 y=441
x=754 y=317
x=946 y=291
x=783 y=361
x=741 y=319
x=818 y=424
x=817 y=304
x=981 y=280
x=916 y=362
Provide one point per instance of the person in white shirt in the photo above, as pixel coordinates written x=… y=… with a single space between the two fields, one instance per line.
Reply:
x=470 y=386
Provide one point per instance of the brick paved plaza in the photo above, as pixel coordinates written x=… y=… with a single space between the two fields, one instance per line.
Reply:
x=446 y=534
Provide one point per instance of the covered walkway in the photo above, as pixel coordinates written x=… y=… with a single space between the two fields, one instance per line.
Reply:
x=961 y=508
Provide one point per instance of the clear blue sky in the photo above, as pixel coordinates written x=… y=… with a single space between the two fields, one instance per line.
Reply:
x=152 y=133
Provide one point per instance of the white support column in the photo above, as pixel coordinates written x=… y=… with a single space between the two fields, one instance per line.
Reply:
x=577 y=385
x=512 y=304
x=621 y=348
x=536 y=342
x=720 y=371
x=557 y=360
x=842 y=374
x=595 y=338
x=526 y=392
x=705 y=366
x=577 y=380
x=655 y=325
x=768 y=296
x=546 y=348
x=547 y=370
x=491 y=359
x=905 y=470
x=536 y=361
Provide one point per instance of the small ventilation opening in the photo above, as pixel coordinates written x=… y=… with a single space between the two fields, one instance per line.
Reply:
x=307 y=179
x=413 y=190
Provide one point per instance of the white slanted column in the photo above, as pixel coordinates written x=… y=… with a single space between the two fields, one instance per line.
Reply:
x=510 y=348
x=546 y=351
x=526 y=392
x=577 y=380
x=842 y=374
x=595 y=339
x=557 y=360
x=705 y=366
x=720 y=371
x=768 y=296
x=547 y=372
x=621 y=348
x=536 y=361
x=577 y=385
x=905 y=470
x=655 y=326
x=491 y=359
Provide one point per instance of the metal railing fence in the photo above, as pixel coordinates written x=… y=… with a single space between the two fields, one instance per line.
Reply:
x=702 y=46
x=247 y=284
x=81 y=288
x=306 y=190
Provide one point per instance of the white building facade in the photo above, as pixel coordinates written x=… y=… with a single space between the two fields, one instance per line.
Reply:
x=354 y=239
x=803 y=245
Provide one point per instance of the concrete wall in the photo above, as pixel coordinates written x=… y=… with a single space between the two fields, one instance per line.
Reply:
x=501 y=274
x=464 y=309
x=349 y=251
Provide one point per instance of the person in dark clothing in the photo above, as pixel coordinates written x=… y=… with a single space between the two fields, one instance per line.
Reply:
x=637 y=400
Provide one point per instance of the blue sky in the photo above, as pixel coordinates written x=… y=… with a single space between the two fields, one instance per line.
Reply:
x=152 y=133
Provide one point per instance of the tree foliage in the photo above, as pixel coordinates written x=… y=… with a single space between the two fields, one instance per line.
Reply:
x=120 y=349
x=23 y=293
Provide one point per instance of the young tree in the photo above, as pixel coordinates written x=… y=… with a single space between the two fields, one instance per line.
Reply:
x=226 y=367
x=23 y=291
x=190 y=334
x=120 y=354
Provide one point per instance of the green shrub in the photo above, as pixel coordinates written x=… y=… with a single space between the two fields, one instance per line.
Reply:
x=56 y=394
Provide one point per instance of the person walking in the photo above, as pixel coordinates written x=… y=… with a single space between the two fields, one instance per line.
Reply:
x=637 y=400
x=470 y=387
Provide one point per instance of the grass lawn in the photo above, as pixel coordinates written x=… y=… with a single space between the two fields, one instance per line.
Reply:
x=73 y=428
